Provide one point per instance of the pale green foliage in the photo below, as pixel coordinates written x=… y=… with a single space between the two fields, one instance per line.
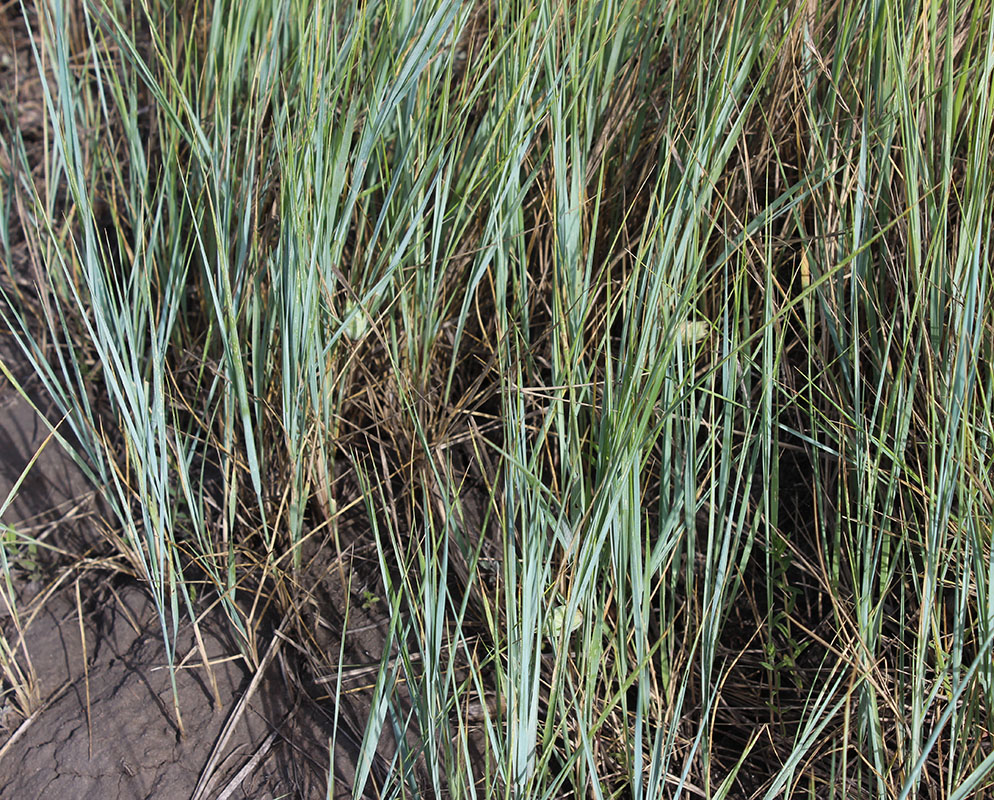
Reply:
x=700 y=292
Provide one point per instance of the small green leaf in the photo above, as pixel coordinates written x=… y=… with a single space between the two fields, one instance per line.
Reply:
x=557 y=622
x=693 y=331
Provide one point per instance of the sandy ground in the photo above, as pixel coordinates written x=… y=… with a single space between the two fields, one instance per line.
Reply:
x=104 y=724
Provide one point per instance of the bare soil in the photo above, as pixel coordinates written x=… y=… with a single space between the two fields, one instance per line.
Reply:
x=103 y=722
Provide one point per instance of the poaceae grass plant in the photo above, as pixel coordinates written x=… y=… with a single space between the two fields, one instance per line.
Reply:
x=653 y=339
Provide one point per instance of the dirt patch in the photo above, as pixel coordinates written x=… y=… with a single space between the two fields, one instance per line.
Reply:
x=105 y=725
x=111 y=731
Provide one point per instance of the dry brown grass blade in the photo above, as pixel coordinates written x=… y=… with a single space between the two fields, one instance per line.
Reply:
x=248 y=767
x=86 y=669
x=207 y=775
x=24 y=726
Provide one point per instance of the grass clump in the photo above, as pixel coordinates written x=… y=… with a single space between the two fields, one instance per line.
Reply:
x=642 y=349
